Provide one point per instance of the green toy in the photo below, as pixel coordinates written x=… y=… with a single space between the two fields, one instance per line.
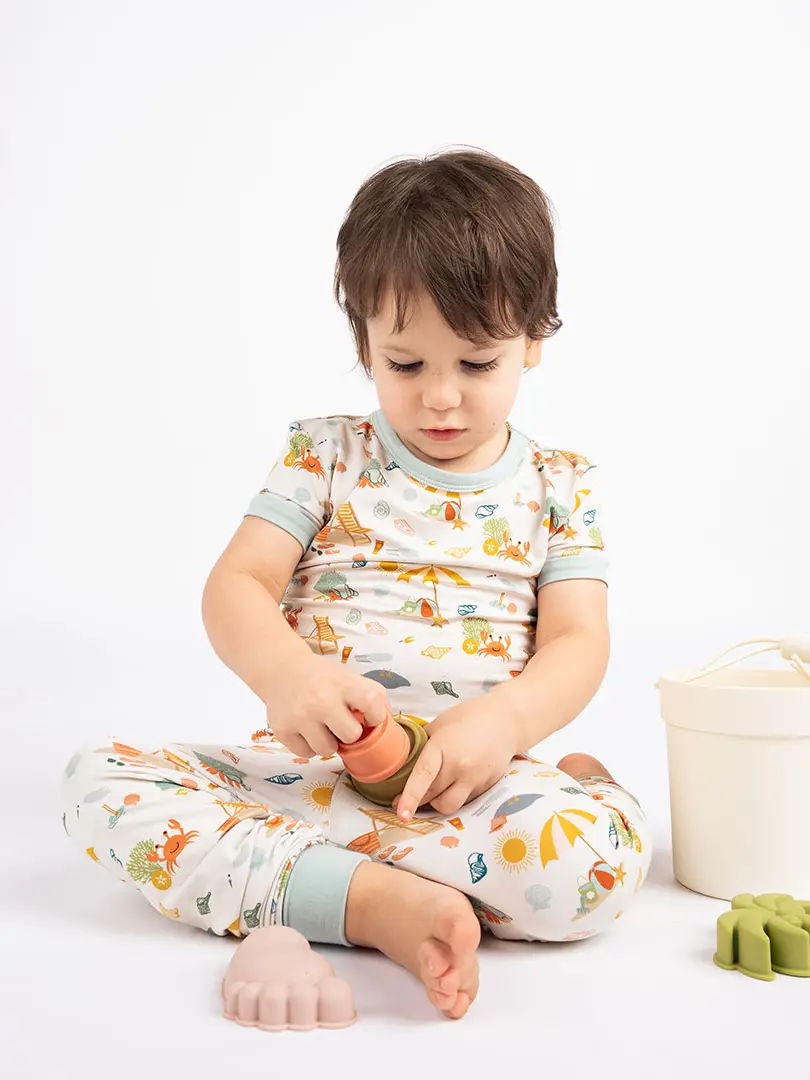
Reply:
x=764 y=934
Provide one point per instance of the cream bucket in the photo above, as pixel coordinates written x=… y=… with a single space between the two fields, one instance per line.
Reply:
x=738 y=746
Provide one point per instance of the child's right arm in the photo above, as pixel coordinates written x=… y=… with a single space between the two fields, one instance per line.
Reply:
x=308 y=698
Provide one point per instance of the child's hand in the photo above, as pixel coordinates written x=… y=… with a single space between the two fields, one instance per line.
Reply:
x=469 y=749
x=309 y=710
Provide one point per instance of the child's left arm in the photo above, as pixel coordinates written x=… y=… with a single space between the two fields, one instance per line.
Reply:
x=472 y=743
x=569 y=664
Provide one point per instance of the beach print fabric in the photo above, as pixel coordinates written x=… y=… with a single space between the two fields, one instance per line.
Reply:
x=210 y=835
x=426 y=581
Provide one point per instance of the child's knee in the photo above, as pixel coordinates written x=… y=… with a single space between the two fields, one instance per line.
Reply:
x=575 y=885
x=101 y=772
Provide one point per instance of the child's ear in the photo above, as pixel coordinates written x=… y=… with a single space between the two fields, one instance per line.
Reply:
x=533 y=354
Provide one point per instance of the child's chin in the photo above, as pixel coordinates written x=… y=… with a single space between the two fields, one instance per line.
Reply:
x=445 y=451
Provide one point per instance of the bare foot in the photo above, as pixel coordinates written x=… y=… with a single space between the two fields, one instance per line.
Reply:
x=428 y=928
x=579 y=765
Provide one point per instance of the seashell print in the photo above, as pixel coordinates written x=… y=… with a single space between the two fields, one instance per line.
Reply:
x=375 y=628
x=486 y=510
x=458 y=552
x=284 y=778
x=467 y=609
x=403 y=526
x=538 y=897
x=444 y=688
x=478 y=868
x=436 y=652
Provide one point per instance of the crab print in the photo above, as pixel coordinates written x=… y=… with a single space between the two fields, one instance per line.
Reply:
x=310 y=463
x=517 y=552
x=173 y=845
x=495 y=646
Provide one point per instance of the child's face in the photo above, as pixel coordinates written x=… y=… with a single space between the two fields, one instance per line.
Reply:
x=447 y=400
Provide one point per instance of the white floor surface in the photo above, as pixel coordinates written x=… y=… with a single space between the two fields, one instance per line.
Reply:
x=96 y=984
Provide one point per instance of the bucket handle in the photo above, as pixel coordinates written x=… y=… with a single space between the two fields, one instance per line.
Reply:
x=794 y=649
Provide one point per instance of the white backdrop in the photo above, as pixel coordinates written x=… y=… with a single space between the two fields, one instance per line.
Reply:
x=172 y=179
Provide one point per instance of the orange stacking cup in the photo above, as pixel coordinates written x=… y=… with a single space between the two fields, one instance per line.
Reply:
x=378 y=753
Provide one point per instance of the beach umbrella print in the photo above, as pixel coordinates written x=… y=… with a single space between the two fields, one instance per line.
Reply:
x=431 y=578
x=570 y=830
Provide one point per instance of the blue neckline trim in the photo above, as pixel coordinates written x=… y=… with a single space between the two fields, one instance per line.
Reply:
x=505 y=467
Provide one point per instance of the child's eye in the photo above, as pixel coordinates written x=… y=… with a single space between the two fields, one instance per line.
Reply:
x=490 y=365
x=404 y=368
x=468 y=365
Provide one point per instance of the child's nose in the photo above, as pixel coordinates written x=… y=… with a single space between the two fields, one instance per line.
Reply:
x=441 y=394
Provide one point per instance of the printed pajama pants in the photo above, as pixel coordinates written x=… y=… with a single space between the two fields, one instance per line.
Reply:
x=210 y=834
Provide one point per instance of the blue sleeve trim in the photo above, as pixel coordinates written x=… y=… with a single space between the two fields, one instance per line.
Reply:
x=593 y=564
x=290 y=516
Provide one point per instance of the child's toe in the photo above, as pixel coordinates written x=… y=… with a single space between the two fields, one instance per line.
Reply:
x=435 y=959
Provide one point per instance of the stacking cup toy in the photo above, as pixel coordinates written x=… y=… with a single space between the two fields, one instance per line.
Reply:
x=382 y=759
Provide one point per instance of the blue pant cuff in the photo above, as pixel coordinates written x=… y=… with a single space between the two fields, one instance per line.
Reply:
x=314 y=901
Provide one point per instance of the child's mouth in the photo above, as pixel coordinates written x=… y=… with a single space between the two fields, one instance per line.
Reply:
x=443 y=434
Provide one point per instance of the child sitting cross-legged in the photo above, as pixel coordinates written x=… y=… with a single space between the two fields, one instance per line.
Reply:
x=428 y=560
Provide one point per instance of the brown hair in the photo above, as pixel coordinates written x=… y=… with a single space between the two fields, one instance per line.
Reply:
x=470 y=229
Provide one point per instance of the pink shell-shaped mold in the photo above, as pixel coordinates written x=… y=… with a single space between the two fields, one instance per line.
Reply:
x=275 y=982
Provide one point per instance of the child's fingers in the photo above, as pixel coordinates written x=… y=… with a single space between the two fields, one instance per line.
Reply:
x=371 y=701
x=441 y=783
x=346 y=725
x=452 y=799
x=321 y=739
x=425 y=771
x=297 y=745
